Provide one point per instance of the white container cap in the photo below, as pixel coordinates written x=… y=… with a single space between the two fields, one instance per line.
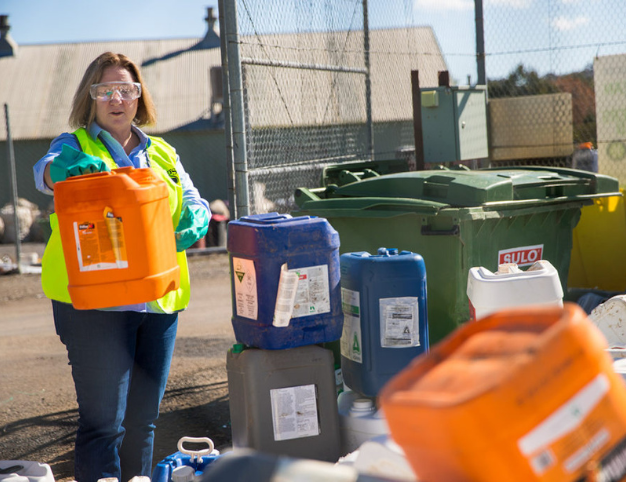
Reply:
x=184 y=473
x=512 y=287
x=362 y=407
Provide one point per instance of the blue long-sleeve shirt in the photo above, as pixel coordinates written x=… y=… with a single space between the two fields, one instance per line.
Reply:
x=137 y=158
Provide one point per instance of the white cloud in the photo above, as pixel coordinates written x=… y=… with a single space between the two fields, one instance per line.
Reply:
x=444 y=5
x=564 y=23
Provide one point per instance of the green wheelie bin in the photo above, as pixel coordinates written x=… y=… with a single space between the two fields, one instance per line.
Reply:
x=458 y=220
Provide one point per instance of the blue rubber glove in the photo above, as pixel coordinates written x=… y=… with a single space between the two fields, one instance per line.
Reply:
x=74 y=163
x=192 y=226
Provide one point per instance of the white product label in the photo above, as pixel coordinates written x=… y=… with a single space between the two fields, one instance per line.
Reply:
x=399 y=322
x=313 y=293
x=100 y=244
x=246 y=297
x=565 y=420
x=294 y=412
x=522 y=256
x=287 y=286
x=351 y=336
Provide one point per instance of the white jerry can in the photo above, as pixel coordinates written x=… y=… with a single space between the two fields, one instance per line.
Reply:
x=511 y=287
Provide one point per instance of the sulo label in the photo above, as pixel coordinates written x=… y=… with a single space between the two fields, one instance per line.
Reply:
x=522 y=256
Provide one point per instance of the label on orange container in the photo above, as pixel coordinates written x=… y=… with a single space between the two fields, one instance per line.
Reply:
x=100 y=244
x=558 y=436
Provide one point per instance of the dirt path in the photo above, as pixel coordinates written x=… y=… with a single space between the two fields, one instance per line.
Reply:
x=38 y=411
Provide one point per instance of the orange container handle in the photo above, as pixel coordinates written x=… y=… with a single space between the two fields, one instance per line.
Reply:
x=91 y=175
x=123 y=170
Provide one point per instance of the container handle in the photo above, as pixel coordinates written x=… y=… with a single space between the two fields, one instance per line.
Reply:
x=196 y=454
x=91 y=175
x=429 y=231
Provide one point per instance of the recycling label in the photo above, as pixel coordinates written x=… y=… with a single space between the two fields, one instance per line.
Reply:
x=399 y=322
x=351 y=343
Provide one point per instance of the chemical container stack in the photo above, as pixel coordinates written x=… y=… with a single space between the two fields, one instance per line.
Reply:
x=286 y=301
x=385 y=328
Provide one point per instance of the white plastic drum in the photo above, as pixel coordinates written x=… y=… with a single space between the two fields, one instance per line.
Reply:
x=359 y=420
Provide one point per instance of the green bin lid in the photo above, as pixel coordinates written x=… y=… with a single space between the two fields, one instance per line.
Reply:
x=478 y=187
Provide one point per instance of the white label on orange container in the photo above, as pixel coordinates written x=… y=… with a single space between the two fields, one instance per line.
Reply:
x=522 y=256
x=100 y=245
x=583 y=454
x=313 y=293
x=351 y=335
x=565 y=419
x=294 y=412
x=399 y=322
x=246 y=298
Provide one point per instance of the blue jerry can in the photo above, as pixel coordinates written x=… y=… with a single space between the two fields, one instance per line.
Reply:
x=285 y=280
x=385 y=316
x=186 y=464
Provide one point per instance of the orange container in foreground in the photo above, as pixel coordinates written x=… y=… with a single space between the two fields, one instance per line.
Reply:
x=525 y=394
x=117 y=236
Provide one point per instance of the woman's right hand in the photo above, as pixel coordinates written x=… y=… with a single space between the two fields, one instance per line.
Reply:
x=72 y=162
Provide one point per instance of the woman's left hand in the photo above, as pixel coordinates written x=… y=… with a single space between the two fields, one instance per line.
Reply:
x=192 y=226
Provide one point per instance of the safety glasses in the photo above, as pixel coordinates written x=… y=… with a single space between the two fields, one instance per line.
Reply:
x=104 y=92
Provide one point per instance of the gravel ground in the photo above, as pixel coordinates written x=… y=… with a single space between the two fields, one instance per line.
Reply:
x=38 y=411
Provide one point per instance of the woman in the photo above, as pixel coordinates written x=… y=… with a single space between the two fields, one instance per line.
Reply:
x=120 y=356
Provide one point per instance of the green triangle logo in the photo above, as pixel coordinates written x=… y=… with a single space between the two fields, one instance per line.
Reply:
x=355 y=345
x=240 y=275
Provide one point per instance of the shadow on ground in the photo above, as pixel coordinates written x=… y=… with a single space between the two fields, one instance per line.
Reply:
x=50 y=438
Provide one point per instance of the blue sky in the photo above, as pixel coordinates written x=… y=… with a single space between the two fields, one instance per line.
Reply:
x=580 y=29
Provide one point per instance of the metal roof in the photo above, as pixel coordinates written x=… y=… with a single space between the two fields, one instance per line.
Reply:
x=38 y=83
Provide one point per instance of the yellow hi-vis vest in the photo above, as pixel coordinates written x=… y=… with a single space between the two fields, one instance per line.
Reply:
x=54 y=280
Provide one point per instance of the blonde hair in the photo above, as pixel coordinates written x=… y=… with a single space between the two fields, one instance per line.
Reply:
x=84 y=107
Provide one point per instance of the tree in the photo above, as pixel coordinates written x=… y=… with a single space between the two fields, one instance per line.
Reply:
x=521 y=82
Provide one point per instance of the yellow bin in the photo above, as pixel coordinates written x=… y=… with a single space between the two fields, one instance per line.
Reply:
x=118 y=238
x=598 y=259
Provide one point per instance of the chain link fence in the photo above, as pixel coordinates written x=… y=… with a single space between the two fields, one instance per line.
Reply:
x=329 y=82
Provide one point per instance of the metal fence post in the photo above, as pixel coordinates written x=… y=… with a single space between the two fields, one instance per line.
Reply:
x=11 y=158
x=236 y=104
x=480 y=43
x=368 y=82
x=228 y=135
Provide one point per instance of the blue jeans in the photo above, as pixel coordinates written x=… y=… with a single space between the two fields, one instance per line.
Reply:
x=120 y=364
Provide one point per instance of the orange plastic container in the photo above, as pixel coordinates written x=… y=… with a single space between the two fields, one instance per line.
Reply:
x=526 y=394
x=117 y=236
